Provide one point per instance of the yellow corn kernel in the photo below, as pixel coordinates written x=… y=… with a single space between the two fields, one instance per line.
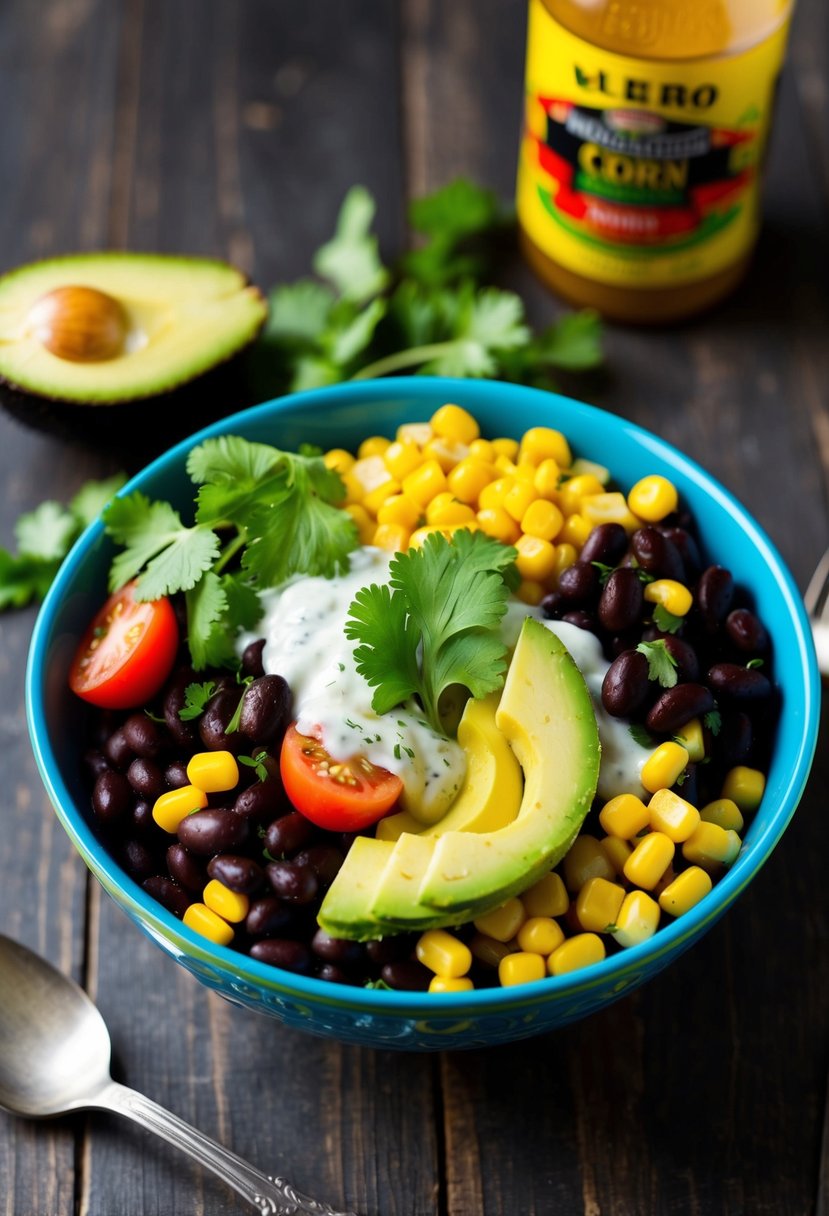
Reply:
x=443 y=983
x=425 y=483
x=374 y=445
x=369 y=472
x=585 y=859
x=505 y=447
x=536 y=558
x=213 y=771
x=398 y=509
x=469 y=477
x=443 y=953
x=354 y=489
x=664 y=766
x=672 y=815
x=665 y=881
x=446 y=509
x=394 y=538
x=547 y=478
x=686 y=890
x=542 y=519
x=483 y=450
x=174 y=805
x=530 y=592
x=547 y=897
x=673 y=596
x=598 y=903
x=744 y=786
x=540 y=935
x=338 y=459
x=574 y=489
x=653 y=497
x=402 y=458
x=504 y=922
x=609 y=507
x=637 y=919
x=497 y=523
x=374 y=499
x=565 y=556
x=414 y=432
x=575 y=530
x=600 y=471
x=692 y=739
x=504 y=466
x=711 y=847
x=454 y=422
x=578 y=951
x=524 y=471
x=518 y=499
x=489 y=951
x=521 y=968
x=230 y=905
x=649 y=860
x=725 y=813
x=419 y=535
x=617 y=852
x=494 y=493
x=446 y=452
x=624 y=816
x=543 y=443
x=204 y=920
x=365 y=523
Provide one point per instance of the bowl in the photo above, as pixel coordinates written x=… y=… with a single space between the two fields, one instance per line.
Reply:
x=341 y=416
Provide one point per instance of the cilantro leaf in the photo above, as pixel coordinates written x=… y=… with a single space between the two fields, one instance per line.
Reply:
x=389 y=660
x=24 y=578
x=93 y=496
x=661 y=663
x=196 y=697
x=641 y=736
x=298 y=312
x=350 y=260
x=713 y=721
x=47 y=532
x=573 y=343
x=666 y=621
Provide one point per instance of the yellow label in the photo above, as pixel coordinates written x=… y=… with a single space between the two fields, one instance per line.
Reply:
x=642 y=173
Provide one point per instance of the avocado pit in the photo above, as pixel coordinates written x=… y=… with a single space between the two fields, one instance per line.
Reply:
x=79 y=324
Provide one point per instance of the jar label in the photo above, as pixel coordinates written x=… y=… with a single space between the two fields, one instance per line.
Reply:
x=637 y=172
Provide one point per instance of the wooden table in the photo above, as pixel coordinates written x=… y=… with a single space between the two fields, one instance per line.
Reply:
x=235 y=129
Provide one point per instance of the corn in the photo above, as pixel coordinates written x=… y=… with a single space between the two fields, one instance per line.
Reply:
x=204 y=920
x=540 y=935
x=504 y=922
x=374 y=500
x=609 y=507
x=398 y=509
x=536 y=558
x=505 y=447
x=443 y=953
x=419 y=535
x=673 y=596
x=230 y=905
x=498 y=524
x=530 y=592
x=174 y=805
x=524 y=471
x=414 y=432
x=665 y=881
x=617 y=852
x=427 y=481
x=744 y=786
x=578 y=951
x=600 y=471
x=469 y=478
x=585 y=859
x=598 y=903
x=547 y=478
x=374 y=445
x=725 y=813
x=565 y=556
x=649 y=860
x=575 y=530
x=494 y=493
x=638 y=919
x=394 y=538
x=672 y=815
x=368 y=472
x=652 y=498
x=488 y=950
x=547 y=897
x=543 y=443
x=213 y=771
x=624 y=816
x=483 y=450
x=338 y=459
x=664 y=766
x=687 y=889
x=446 y=509
x=365 y=524
x=443 y=983
x=454 y=422
x=520 y=968
x=401 y=458
x=354 y=489
x=692 y=739
x=504 y=465
x=446 y=452
x=518 y=499
x=574 y=489
x=711 y=847
x=542 y=519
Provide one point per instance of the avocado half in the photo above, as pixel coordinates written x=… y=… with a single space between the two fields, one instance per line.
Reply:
x=125 y=349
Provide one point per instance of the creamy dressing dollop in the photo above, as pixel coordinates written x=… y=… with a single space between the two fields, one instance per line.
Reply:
x=303 y=625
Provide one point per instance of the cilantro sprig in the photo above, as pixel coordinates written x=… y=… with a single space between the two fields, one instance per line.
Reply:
x=661 y=663
x=435 y=625
x=262 y=515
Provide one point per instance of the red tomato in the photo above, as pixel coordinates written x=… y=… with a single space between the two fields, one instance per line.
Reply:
x=126 y=653
x=340 y=796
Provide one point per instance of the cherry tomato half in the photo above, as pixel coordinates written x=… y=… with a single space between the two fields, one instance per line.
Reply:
x=340 y=796
x=127 y=652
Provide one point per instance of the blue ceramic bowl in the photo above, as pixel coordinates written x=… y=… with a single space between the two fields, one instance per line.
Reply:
x=342 y=416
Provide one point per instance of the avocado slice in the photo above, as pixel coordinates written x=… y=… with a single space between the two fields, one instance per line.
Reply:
x=88 y=338
x=546 y=714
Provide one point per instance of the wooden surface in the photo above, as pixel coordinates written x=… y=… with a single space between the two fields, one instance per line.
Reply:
x=208 y=126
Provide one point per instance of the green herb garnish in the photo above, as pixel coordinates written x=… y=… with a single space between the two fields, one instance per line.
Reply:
x=667 y=622
x=196 y=697
x=661 y=663
x=257 y=763
x=641 y=736
x=713 y=721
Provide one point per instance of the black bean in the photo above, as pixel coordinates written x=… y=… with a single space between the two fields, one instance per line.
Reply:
x=95 y=762
x=142 y=816
x=582 y=620
x=714 y=596
x=143 y=735
x=175 y=775
x=240 y=874
x=268 y=916
x=688 y=785
x=266 y=707
x=552 y=605
x=657 y=554
x=625 y=685
x=325 y=860
x=620 y=604
x=298 y=884
x=111 y=796
x=684 y=656
x=117 y=751
x=606 y=543
x=285 y=835
x=678 y=705
x=746 y=631
x=407 y=975
x=252 y=659
x=185 y=869
x=279 y=952
x=337 y=949
x=733 y=742
x=687 y=546
x=167 y=892
x=138 y=860
x=184 y=733
x=146 y=778
x=261 y=800
x=579 y=584
x=389 y=949
x=743 y=685
x=216 y=718
x=333 y=974
x=214 y=830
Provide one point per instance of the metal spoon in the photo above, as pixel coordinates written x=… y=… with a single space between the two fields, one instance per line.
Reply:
x=55 y=1054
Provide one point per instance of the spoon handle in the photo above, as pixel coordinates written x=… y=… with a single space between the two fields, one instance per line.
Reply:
x=271 y=1196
